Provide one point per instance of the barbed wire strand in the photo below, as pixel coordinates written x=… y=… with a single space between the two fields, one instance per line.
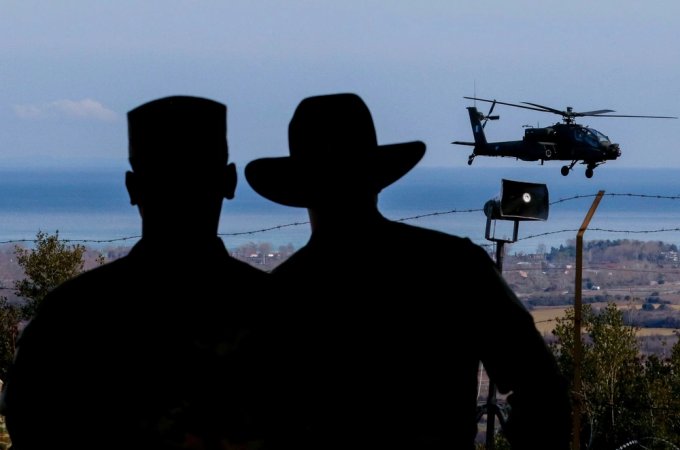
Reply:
x=416 y=217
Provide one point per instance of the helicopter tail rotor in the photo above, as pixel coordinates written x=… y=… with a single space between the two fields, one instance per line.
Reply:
x=488 y=115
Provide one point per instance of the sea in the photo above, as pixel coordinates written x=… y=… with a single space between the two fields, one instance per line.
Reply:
x=91 y=207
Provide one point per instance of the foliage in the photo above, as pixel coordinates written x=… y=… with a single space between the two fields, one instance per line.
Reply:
x=5 y=441
x=597 y=251
x=9 y=322
x=624 y=395
x=611 y=362
x=46 y=266
x=563 y=253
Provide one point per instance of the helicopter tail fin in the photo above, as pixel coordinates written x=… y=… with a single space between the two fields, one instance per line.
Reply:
x=477 y=127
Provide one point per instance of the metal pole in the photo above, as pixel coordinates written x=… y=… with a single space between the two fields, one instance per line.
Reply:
x=490 y=416
x=491 y=405
x=578 y=344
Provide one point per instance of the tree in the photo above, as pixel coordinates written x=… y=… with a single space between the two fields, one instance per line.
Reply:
x=613 y=365
x=9 y=324
x=611 y=374
x=47 y=265
x=541 y=249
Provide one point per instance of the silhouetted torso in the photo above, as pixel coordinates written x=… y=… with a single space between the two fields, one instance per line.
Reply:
x=379 y=346
x=136 y=353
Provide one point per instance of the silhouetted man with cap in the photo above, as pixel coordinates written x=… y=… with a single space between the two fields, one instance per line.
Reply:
x=146 y=352
x=377 y=348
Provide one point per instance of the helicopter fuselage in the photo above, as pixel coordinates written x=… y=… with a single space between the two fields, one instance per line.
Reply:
x=569 y=142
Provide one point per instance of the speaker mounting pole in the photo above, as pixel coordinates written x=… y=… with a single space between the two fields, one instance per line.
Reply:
x=491 y=237
x=518 y=201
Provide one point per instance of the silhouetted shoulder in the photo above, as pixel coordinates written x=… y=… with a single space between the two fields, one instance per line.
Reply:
x=388 y=250
x=445 y=246
x=415 y=232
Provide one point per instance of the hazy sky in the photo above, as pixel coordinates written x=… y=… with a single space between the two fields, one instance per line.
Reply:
x=71 y=69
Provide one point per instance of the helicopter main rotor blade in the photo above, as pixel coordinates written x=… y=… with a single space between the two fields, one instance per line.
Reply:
x=568 y=113
x=534 y=107
x=549 y=109
x=595 y=113
x=504 y=103
x=623 y=115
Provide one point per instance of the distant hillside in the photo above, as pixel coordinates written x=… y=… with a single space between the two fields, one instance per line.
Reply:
x=630 y=272
x=643 y=277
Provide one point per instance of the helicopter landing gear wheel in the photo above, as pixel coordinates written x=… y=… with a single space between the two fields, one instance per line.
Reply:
x=564 y=170
x=589 y=172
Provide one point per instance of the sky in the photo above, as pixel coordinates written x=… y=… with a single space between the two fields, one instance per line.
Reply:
x=71 y=69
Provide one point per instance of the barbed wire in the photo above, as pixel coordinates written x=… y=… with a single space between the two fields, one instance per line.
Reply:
x=262 y=230
x=648 y=438
x=604 y=230
x=601 y=268
x=438 y=213
x=416 y=217
x=614 y=194
x=92 y=241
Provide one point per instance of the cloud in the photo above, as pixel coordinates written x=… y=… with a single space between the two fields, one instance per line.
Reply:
x=86 y=108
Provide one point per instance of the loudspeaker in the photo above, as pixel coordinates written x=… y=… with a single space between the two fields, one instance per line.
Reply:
x=519 y=201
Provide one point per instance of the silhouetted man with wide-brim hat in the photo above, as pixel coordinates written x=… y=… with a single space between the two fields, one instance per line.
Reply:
x=376 y=345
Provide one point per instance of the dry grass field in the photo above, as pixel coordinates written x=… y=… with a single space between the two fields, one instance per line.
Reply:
x=544 y=317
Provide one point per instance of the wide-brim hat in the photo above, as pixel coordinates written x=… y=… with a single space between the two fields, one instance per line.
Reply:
x=333 y=150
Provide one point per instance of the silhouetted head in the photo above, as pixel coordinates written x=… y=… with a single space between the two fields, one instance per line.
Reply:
x=179 y=158
x=334 y=156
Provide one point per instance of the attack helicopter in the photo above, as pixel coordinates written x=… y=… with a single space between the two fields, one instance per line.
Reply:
x=562 y=141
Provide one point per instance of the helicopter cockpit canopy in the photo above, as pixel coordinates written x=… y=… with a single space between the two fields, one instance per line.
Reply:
x=591 y=136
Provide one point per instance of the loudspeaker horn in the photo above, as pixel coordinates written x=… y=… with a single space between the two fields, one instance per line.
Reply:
x=519 y=200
